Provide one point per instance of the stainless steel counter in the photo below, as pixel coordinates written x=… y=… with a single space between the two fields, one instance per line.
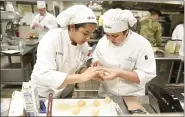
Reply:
x=16 y=73
x=167 y=56
x=144 y=100
x=173 y=58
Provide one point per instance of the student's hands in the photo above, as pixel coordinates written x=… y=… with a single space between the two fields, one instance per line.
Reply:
x=96 y=63
x=91 y=73
x=109 y=73
x=35 y=25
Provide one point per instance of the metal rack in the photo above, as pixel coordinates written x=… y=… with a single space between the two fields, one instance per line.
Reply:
x=87 y=89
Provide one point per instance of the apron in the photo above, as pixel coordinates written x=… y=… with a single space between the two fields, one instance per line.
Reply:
x=114 y=57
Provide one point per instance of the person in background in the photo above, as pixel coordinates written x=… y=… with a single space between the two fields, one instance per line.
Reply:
x=151 y=29
x=127 y=58
x=62 y=52
x=178 y=32
x=43 y=21
x=181 y=51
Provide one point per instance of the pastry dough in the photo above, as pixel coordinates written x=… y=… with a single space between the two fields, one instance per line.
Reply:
x=107 y=100
x=75 y=110
x=95 y=112
x=96 y=103
x=81 y=103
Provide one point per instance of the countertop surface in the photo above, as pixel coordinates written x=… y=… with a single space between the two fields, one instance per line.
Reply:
x=144 y=101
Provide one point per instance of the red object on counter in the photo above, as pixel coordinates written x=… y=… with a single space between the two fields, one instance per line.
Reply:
x=50 y=103
x=17 y=34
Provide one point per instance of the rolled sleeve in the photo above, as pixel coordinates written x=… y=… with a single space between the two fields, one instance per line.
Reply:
x=146 y=65
x=58 y=79
x=141 y=76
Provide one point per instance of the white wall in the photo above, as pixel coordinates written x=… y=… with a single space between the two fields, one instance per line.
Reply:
x=67 y=4
x=50 y=6
x=61 y=6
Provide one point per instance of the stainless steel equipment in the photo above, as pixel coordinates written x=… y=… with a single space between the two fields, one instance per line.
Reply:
x=10 y=22
x=167 y=98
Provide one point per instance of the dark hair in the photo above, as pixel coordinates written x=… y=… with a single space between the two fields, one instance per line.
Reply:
x=124 y=32
x=155 y=11
x=77 y=26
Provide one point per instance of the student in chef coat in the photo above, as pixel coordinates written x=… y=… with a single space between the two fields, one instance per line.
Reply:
x=151 y=29
x=43 y=21
x=62 y=51
x=178 y=34
x=127 y=57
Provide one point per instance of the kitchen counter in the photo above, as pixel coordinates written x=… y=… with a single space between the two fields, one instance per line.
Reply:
x=167 y=56
x=143 y=100
x=16 y=73
x=173 y=58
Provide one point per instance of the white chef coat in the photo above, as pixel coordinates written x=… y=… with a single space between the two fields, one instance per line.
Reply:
x=56 y=58
x=134 y=54
x=181 y=51
x=47 y=20
x=178 y=32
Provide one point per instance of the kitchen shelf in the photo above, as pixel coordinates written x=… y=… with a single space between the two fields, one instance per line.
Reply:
x=12 y=72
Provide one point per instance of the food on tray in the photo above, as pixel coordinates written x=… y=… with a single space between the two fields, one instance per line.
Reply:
x=31 y=35
x=63 y=107
x=76 y=110
x=81 y=103
x=95 y=112
x=96 y=103
x=107 y=100
x=27 y=36
x=35 y=35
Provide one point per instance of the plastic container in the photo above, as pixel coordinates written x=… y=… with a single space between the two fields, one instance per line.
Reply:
x=5 y=107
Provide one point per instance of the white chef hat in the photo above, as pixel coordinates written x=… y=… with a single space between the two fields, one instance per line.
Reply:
x=9 y=7
x=75 y=15
x=117 y=20
x=41 y=4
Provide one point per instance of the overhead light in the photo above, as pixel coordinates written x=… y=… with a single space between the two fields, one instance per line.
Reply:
x=1 y=8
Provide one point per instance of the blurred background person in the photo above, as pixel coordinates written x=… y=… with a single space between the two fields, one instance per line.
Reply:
x=43 y=21
x=151 y=29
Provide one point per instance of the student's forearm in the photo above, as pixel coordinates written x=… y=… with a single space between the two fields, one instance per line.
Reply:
x=71 y=79
x=130 y=76
x=82 y=70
